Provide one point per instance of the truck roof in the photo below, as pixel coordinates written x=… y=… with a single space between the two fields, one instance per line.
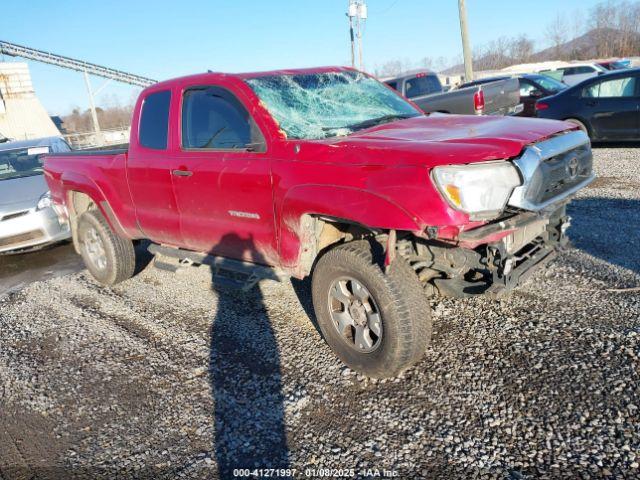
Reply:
x=213 y=76
x=410 y=73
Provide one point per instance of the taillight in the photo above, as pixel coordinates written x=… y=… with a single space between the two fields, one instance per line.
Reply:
x=542 y=106
x=478 y=101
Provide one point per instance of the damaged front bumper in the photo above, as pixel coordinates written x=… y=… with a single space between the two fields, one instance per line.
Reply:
x=495 y=258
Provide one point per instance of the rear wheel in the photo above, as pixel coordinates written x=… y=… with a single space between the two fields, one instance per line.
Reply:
x=109 y=258
x=580 y=125
x=378 y=323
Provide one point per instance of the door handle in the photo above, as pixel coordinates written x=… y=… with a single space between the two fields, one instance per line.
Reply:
x=182 y=173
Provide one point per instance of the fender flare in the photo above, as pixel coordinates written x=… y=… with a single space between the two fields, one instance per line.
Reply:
x=77 y=183
x=353 y=205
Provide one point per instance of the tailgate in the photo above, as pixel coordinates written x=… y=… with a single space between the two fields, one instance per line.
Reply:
x=501 y=96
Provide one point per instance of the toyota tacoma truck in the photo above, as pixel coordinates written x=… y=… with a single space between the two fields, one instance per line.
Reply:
x=330 y=174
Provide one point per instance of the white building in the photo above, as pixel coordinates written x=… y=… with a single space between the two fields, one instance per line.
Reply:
x=22 y=116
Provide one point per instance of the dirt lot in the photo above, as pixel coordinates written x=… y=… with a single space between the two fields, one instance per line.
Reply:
x=166 y=377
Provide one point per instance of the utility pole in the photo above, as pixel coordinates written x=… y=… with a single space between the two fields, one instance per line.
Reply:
x=94 y=113
x=353 y=46
x=357 y=10
x=466 y=47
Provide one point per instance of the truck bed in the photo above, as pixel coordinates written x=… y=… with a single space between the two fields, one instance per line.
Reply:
x=93 y=151
x=500 y=97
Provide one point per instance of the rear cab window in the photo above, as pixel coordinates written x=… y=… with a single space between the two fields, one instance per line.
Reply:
x=422 y=85
x=154 y=120
x=393 y=84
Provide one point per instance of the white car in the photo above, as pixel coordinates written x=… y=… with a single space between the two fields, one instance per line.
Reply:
x=574 y=73
x=28 y=219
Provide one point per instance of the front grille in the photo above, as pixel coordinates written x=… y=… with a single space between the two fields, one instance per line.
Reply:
x=21 y=238
x=11 y=216
x=553 y=170
x=561 y=173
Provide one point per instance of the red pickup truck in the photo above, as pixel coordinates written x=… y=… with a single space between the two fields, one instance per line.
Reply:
x=328 y=173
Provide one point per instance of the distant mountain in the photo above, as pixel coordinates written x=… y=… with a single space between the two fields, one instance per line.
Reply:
x=596 y=43
x=589 y=45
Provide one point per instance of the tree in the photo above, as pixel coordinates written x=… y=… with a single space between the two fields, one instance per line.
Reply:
x=556 y=33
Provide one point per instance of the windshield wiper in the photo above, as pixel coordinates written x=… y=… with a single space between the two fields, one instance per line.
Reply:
x=372 y=122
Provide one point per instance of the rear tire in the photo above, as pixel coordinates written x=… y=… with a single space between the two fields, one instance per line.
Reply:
x=351 y=293
x=580 y=125
x=109 y=258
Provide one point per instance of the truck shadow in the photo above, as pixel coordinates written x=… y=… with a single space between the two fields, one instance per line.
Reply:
x=607 y=228
x=245 y=378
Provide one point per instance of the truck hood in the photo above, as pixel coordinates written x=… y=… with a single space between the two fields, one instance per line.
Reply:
x=437 y=139
x=21 y=193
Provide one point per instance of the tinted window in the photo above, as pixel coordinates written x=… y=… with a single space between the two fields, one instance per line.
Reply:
x=393 y=85
x=422 y=86
x=549 y=84
x=213 y=118
x=154 y=120
x=578 y=70
x=616 y=88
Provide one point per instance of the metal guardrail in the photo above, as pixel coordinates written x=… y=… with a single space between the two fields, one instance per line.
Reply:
x=15 y=50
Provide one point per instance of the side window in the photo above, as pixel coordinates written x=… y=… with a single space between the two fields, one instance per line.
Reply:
x=616 y=88
x=154 y=120
x=393 y=85
x=212 y=117
x=422 y=85
x=585 y=69
x=526 y=88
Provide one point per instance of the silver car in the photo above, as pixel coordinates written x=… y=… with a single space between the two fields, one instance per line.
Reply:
x=28 y=218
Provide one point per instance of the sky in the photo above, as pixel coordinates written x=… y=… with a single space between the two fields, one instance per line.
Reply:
x=162 y=39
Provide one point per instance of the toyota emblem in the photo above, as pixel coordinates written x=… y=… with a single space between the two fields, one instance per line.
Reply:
x=572 y=167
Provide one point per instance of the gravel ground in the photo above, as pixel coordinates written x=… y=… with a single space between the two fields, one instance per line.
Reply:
x=165 y=377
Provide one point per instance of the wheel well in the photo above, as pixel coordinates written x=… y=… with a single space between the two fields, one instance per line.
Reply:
x=77 y=204
x=320 y=233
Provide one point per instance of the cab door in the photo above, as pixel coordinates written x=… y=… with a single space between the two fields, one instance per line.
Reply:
x=222 y=181
x=149 y=167
x=612 y=107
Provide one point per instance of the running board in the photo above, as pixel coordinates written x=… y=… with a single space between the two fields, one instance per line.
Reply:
x=227 y=272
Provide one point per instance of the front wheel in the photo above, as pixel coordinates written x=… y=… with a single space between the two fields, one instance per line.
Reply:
x=378 y=323
x=110 y=258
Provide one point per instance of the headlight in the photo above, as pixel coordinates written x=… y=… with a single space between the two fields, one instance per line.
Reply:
x=44 y=202
x=481 y=189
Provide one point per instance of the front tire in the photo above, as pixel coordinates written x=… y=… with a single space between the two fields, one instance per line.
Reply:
x=109 y=258
x=377 y=323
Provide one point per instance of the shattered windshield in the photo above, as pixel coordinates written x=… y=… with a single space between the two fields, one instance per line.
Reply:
x=329 y=104
x=22 y=162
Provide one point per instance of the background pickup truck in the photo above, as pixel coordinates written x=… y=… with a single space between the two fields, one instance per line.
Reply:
x=327 y=173
x=501 y=97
